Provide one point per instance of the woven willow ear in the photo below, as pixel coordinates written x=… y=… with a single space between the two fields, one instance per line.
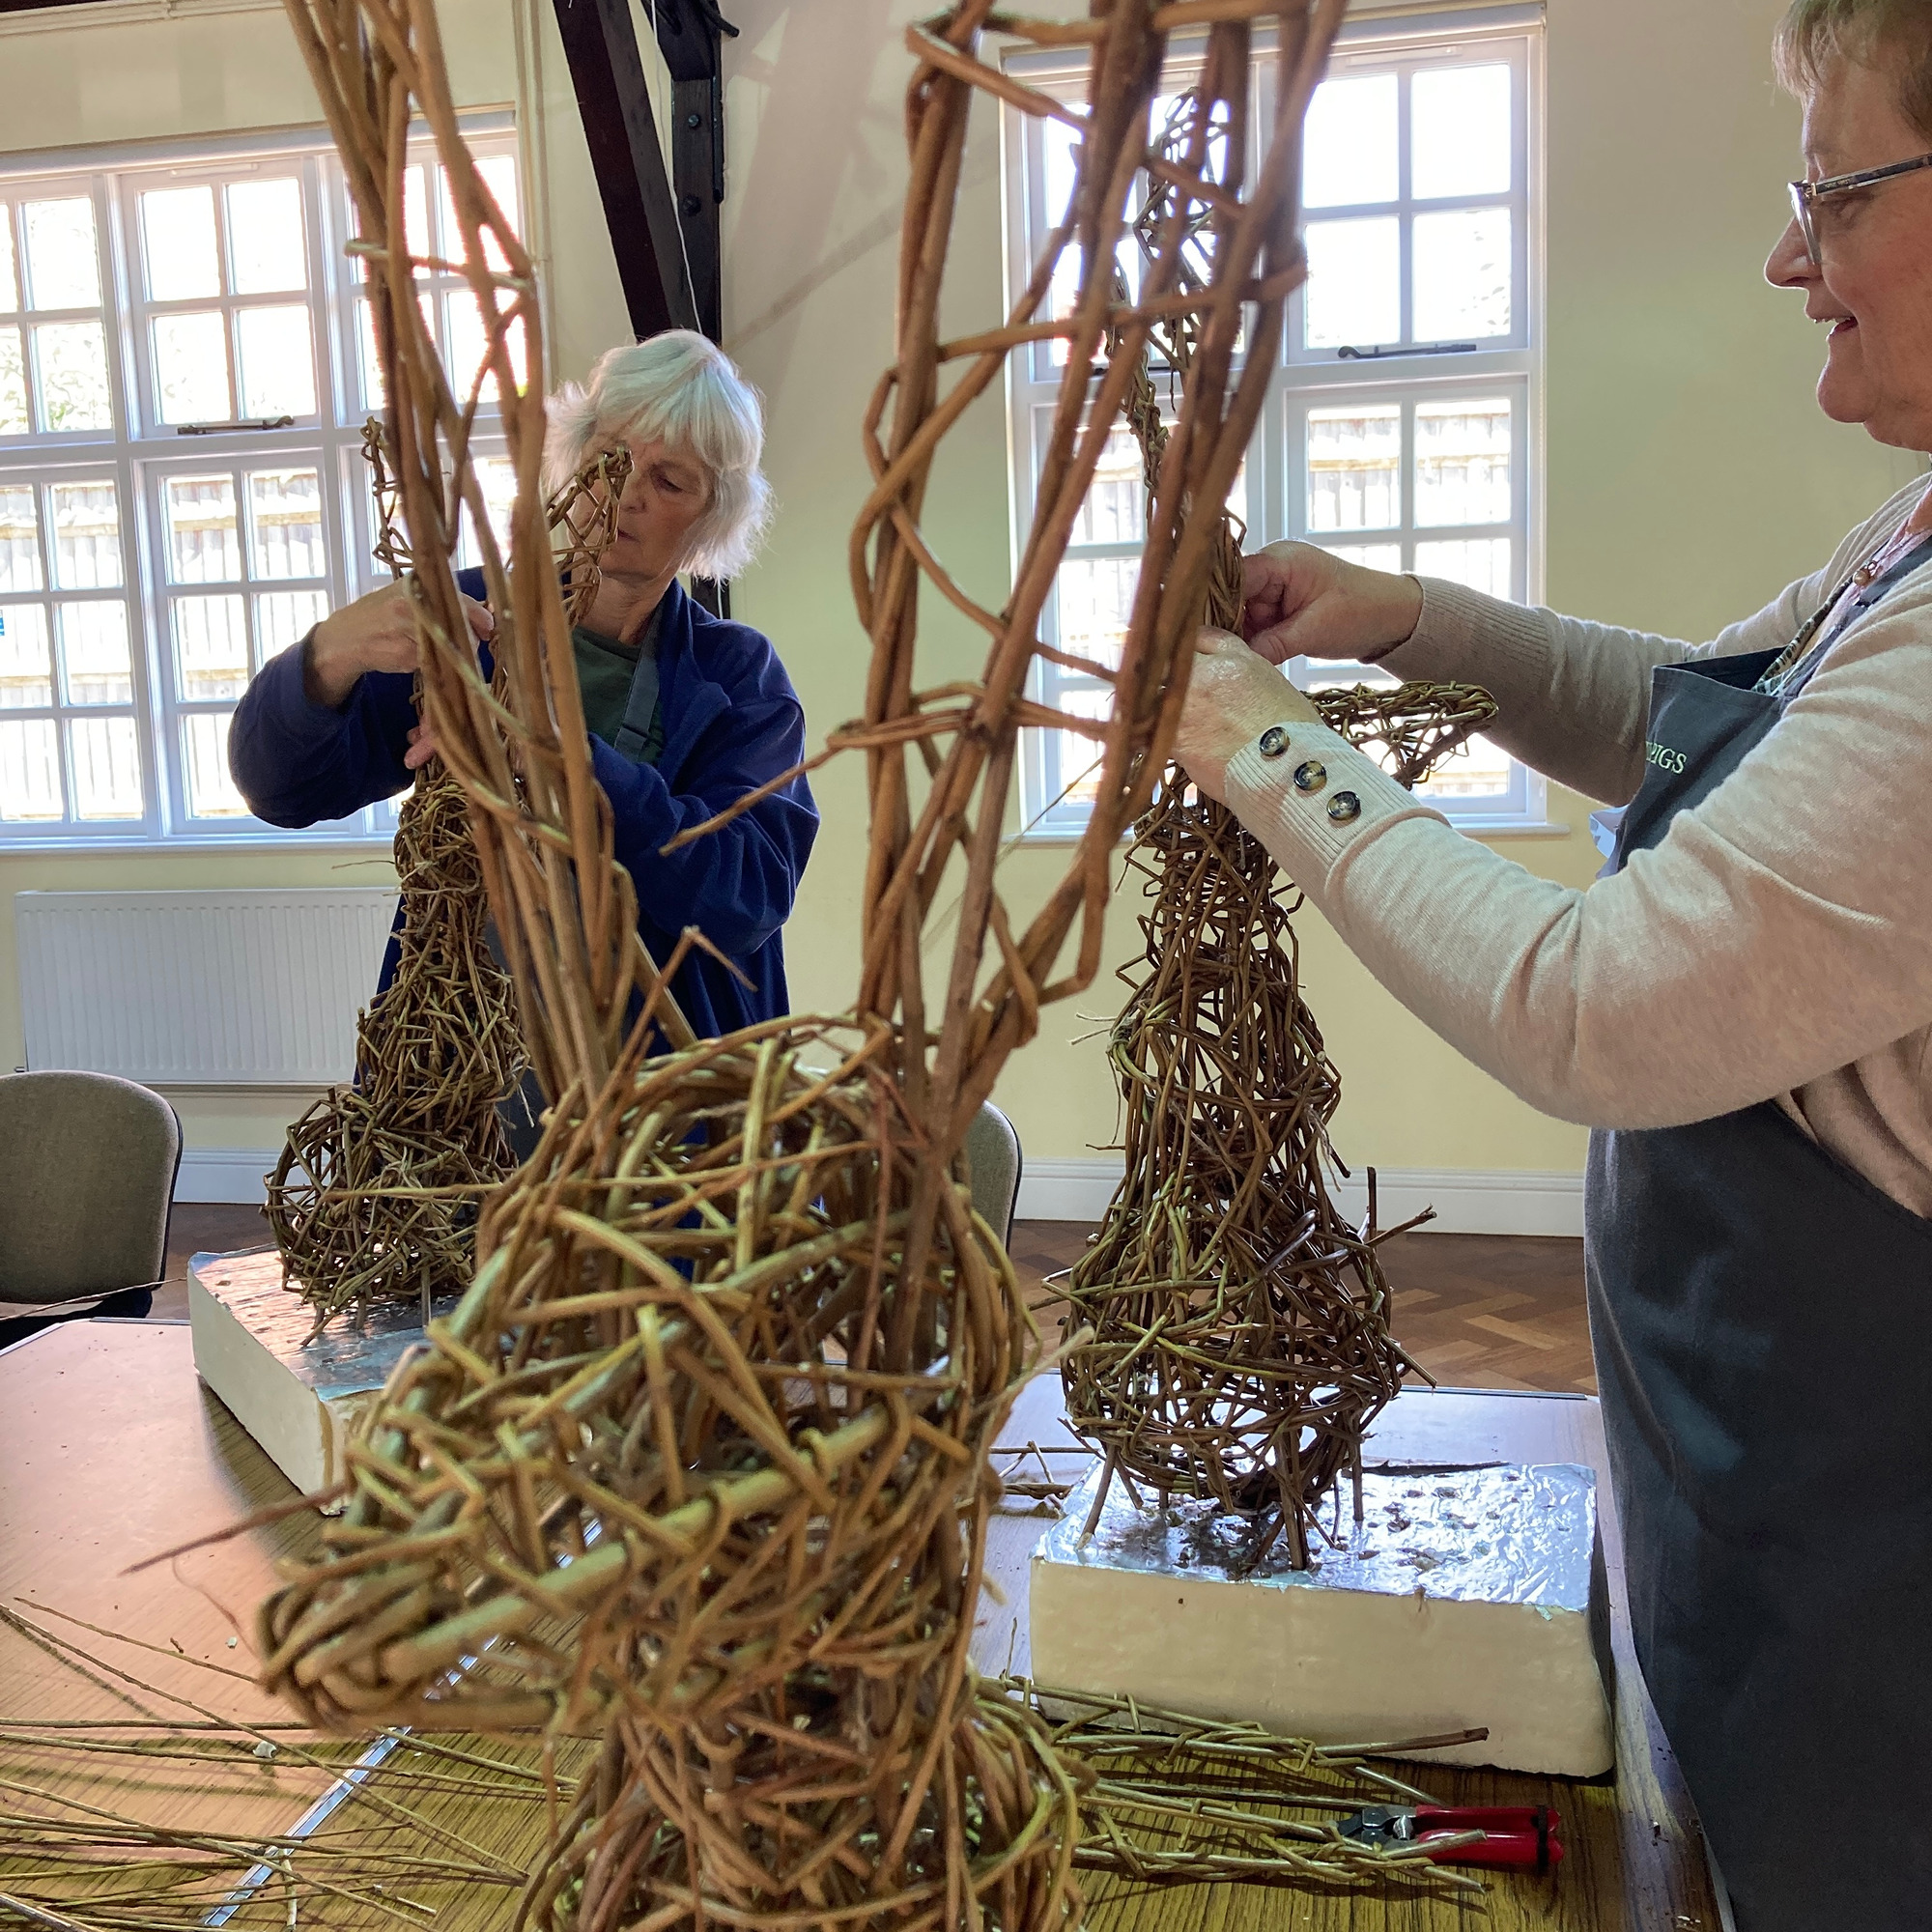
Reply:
x=700 y=1460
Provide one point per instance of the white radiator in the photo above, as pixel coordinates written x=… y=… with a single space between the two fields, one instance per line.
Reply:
x=200 y=989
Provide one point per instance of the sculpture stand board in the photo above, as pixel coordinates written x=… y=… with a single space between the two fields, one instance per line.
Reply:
x=1469 y=1601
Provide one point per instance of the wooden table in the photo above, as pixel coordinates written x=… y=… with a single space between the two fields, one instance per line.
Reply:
x=110 y=1448
x=1634 y=1854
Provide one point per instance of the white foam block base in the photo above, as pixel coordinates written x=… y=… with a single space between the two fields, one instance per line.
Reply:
x=1466 y=1598
x=299 y=1398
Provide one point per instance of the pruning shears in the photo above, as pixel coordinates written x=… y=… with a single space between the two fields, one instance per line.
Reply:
x=1518 y=1837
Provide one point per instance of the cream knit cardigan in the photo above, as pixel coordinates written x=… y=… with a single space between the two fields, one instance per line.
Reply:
x=1776 y=945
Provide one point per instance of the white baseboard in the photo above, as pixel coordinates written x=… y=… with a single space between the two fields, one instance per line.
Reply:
x=225 y=1174
x=1467 y=1201
x=1066 y=1190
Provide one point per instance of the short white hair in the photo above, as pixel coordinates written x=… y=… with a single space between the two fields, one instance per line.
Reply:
x=681 y=389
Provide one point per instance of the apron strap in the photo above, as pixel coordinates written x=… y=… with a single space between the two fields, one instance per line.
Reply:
x=639 y=709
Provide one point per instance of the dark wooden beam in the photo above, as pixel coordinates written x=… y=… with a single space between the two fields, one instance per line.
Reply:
x=689 y=35
x=697 y=180
x=663 y=230
x=608 y=73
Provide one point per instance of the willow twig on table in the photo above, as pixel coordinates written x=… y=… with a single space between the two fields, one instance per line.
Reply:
x=1175 y=1799
x=1165 y=1799
x=68 y=1852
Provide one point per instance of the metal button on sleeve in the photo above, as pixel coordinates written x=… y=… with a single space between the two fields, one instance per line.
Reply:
x=1344 y=808
x=1275 y=741
x=1311 y=775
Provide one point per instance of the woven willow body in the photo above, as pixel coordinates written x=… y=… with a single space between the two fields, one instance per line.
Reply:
x=1235 y=1327
x=1237 y=1339
x=377 y=1190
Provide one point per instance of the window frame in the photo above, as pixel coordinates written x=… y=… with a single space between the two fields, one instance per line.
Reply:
x=44 y=480
x=140 y=452
x=1303 y=380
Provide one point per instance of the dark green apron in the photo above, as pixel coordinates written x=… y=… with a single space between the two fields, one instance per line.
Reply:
x=1762 y=1321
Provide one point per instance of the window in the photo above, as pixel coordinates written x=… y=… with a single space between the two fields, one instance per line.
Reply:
x=1400 y=426
x=184 y=370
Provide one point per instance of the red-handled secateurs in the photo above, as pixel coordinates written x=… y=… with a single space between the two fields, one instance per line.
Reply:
x=1521 y=1837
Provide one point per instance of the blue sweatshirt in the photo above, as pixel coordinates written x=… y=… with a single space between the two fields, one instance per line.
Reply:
x=731 y=722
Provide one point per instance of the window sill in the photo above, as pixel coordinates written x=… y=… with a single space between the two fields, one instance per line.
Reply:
x=373 y=846
x=1511 y=828
x=1476 y=828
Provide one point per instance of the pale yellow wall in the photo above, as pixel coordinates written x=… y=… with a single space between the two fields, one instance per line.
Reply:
x=1689 y=476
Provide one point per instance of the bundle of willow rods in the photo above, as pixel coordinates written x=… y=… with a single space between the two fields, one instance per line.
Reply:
x=1237 y=1341
x=700 y=1460
x=376 y=1193
x=446 y=1827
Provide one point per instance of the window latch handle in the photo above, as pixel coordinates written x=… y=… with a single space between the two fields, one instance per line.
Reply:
x=1353 y=354
x=223 y=429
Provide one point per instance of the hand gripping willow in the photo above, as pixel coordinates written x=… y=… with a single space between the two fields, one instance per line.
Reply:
x=700 y=1462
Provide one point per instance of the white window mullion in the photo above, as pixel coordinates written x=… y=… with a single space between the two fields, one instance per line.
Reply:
x=149 y=689
x=1405 y=488
x=1405 y=205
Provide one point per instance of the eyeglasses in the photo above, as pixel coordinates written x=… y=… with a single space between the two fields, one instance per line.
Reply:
x=1806 y=195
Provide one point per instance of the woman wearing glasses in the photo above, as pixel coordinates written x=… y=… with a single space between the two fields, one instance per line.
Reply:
x=1742 y=1008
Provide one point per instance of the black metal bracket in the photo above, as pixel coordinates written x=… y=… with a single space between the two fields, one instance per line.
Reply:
x=690 y=38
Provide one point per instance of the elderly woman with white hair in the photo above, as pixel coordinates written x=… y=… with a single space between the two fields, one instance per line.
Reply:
x=687 y=712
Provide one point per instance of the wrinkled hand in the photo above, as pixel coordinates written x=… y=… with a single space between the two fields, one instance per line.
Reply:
x=374 y=632
x=1233 y=697
x=1299 y=601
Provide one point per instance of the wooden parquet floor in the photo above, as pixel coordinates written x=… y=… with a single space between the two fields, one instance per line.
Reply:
x=203 y=1227
x=1477 y=1311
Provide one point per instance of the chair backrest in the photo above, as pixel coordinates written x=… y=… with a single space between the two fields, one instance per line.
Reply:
x=993 y=1166
x=87 y=1177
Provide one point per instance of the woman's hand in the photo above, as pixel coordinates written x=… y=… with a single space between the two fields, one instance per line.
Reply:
x=1299 y=601
x=423 y=746
x=374 y=632
x=1233 y=697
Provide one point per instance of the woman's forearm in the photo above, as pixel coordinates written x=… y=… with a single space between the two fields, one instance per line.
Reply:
x=1781 y=931
x=1572 y=695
